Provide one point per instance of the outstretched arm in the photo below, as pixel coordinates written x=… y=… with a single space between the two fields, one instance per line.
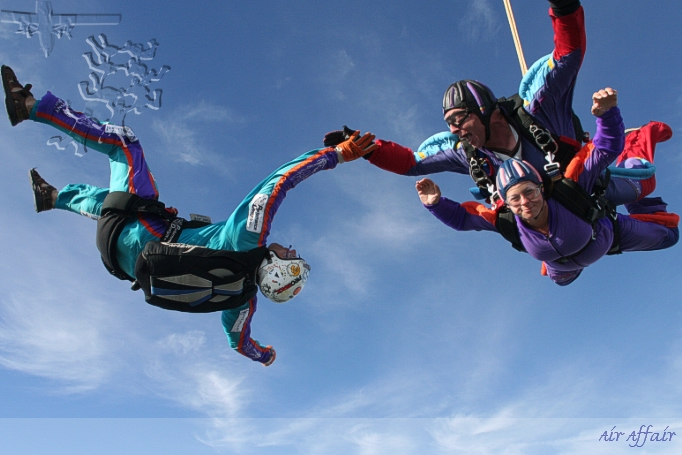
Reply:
x=438 y=153
x=250 y=225
x=237 y=327
x=468 y=216
x=251 y=221
x=547 y=87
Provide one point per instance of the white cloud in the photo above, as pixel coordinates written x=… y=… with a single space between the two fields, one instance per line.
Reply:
x=181 y=132
x=479 y=21
x=59 y=338
x=183 y=343
x=186 y=371
x=339 y=67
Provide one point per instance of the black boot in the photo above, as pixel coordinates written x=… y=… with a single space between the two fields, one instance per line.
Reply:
x=15 y=96
x=42 y=191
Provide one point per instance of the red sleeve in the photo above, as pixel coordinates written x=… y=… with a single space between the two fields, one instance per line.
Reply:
x=392 y=157
x=667 y=219
x=577 y=165
x=569 y=33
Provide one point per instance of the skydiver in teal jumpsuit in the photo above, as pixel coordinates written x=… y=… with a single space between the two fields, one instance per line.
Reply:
x=246 y=229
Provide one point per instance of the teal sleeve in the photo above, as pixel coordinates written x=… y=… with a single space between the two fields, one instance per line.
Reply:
x=250 y=223
x=237 y=327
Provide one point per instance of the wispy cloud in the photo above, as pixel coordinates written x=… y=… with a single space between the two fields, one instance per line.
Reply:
x=189 y=373
x=181 y=132
x=336 y=73
x=56 y=337
x=479 y=21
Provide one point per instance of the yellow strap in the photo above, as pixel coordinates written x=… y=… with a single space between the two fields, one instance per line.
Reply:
x=515 y=35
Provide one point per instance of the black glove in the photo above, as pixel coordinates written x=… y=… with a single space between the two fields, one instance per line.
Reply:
x=564 y=7
x=334 y=138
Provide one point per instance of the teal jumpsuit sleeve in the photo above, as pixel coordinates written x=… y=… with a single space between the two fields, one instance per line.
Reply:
x=249 y=226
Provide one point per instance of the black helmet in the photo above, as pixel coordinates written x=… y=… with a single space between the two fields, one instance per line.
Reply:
x=474 y=97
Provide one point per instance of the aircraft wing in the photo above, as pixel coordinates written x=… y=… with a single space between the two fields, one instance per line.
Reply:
x=85 y=19
x=17 y=17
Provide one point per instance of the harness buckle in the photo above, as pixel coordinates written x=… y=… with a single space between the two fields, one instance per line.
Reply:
x=544 y=139
x=553 y=170
x=496 y=199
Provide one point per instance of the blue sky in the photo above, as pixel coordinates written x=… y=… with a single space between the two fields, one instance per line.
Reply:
x=410 y=337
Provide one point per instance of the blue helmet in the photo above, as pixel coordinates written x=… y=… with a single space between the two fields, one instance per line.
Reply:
x=473 y=96
x=515 y=171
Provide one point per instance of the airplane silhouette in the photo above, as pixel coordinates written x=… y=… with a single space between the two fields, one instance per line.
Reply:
x=49 y=25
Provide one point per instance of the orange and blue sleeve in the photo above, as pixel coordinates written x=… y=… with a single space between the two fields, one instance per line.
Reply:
x=249 y=225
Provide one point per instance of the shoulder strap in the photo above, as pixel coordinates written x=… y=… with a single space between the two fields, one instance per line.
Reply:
x=559 y=149
x=578 y=201
x=477 y=169
x=506 y=226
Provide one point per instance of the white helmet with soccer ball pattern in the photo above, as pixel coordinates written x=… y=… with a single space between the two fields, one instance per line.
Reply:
x=280 y=280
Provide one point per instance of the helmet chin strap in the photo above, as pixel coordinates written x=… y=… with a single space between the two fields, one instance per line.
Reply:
x=486 y=123
x=544 y=204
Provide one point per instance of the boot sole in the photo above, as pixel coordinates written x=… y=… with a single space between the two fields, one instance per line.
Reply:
x=10 y=102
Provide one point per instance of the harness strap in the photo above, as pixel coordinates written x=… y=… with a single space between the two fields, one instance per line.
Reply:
x=117 y=209
x=507 y=227
x=578 y=201
x=615 y=246
x=177 y=225
x=483 y=181
x=558 y=151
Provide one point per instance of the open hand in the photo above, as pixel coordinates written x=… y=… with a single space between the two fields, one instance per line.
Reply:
x=429 y=193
